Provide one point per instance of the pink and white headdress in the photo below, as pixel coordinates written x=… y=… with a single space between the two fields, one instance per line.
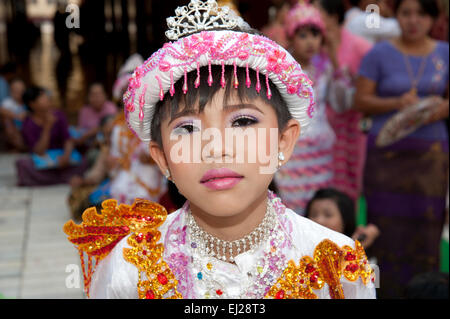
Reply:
x=303 y=14
x=202 y=46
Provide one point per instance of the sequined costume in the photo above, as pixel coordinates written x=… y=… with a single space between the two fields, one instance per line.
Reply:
x=143 y=253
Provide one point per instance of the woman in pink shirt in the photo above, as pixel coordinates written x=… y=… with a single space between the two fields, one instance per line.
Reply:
x=345 y=51
x=91 y=114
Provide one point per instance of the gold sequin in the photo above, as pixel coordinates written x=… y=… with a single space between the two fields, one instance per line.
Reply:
x=98 y=233
x=328 y=265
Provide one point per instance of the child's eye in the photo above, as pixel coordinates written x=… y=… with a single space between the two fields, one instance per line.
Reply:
x=243 y=121
x=187 y=128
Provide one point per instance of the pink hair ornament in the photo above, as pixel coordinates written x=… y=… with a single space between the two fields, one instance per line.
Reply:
x=207 y=39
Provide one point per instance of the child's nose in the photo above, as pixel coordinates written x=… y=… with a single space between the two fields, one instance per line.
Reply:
x=216 y=147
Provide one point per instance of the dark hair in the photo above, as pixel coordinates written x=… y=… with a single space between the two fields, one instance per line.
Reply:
x=354 y=3
x=334 y=7
x=431 y=285
x=170 y=105
x=32 y=94
x=10 y=67
x=105 y=119
x=16 y=79
x=344 y=203
x=311 y=28
x=430 y=7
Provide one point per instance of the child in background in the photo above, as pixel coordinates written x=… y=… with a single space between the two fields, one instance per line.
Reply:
x=233 y=238
x=13 y=112
x=46 y=129
x=84 y=185
x=335 y=210
x=92 y=113
x=311 y=165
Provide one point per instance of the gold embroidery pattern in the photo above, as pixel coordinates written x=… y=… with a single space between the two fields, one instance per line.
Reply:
x=328 y=265
x=98 y=233
x=146 y=254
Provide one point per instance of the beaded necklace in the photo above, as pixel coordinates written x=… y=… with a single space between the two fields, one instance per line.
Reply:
x=268 y=267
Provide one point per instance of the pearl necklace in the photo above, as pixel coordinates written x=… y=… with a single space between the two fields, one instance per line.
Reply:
x=267 y=268
x=226 y=250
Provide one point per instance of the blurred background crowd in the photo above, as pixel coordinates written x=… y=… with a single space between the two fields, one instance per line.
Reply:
x=61 y=112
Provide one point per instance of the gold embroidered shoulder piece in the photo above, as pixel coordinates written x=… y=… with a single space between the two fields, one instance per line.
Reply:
x=98 y=233
x=327 y=266
x=146 y=255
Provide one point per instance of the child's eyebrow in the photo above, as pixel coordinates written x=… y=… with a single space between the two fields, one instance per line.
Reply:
x=235 y=107
x=228 y=108
x=183 y=113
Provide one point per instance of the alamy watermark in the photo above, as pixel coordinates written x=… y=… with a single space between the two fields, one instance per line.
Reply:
x=73 y=19
x=373 y=18
x=237 y=145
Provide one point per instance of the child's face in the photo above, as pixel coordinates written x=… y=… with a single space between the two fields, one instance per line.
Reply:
x=97 y=97
x=245 y=180
x=326 y=213
x=41 y=104
x=306 y=43
x=16 y=90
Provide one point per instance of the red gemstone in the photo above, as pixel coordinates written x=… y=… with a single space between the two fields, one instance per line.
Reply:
x=148 y=237
x=162 y=279
x=313 y=278
x=352 y=267
x=302 y=281
x=144 y=252
x=350 y=256
x=219 y=292
x=280 y=294
x=309 y=268
x=150 y=294
x=139 y=237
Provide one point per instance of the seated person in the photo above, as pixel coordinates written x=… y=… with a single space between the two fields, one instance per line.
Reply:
x=12 y=114
x=96 y=178
x=45 y=129
x=336 y=210
x=92 y=113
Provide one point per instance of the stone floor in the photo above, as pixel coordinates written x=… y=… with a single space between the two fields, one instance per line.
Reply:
x=34 y=251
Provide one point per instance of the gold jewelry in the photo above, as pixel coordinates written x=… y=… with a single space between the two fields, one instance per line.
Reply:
x=415 y=79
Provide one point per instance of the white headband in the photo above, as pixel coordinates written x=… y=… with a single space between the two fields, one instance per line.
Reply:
x=158 y=75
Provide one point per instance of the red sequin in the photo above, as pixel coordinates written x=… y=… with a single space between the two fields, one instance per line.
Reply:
x=162 y=279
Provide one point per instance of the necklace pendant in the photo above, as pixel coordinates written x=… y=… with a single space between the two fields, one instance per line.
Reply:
x=413 y=91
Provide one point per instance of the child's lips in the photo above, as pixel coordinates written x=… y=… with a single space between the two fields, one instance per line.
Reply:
x=220 y=179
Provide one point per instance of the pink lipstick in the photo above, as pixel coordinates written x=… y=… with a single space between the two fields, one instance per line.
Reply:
x=220 y=179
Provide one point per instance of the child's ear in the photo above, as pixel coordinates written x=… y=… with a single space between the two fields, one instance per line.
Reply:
x=157 y=153
x=288 y=138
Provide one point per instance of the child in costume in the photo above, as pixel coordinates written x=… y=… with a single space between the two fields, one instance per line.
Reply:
x=136 y=174
x=311 y=165
x=232 y=238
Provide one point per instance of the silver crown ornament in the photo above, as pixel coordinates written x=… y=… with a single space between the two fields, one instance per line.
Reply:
x=199 y=16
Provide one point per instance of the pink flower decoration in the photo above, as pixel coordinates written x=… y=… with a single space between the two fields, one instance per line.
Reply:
x=164 y=66
x=292 y=88
x=276 y=61
x=199 y=43
x=243 y=54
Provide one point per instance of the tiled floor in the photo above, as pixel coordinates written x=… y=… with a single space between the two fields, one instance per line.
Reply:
x=34 y=251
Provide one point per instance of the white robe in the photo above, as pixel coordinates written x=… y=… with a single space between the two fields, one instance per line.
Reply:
x=116 y=278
